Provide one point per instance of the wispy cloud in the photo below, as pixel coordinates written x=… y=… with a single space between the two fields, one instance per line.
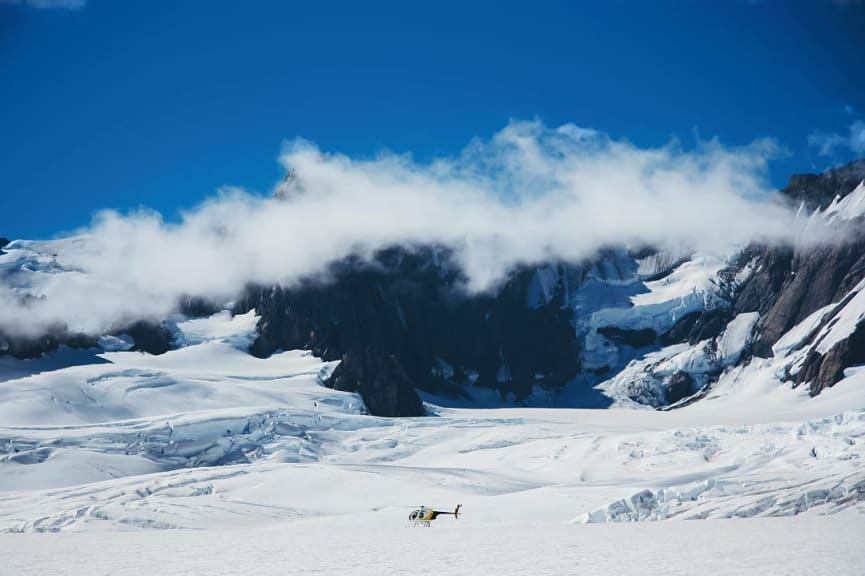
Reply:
x=529 y=194
x=831 y=143
x=48 y=4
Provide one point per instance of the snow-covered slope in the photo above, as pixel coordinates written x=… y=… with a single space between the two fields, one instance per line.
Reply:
x=206 y=437
x=140 y=440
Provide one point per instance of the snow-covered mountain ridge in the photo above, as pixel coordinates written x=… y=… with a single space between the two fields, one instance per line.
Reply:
x=644 y=326
x=558 y=333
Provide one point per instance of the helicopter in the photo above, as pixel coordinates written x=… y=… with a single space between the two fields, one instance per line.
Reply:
x=423 y=516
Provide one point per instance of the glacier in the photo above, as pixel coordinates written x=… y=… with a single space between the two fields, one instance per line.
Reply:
x=227 y=452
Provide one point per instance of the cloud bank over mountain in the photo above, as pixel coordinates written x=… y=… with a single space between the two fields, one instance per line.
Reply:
x=527 y=195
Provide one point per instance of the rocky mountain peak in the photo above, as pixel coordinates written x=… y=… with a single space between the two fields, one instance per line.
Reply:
x=818 y=190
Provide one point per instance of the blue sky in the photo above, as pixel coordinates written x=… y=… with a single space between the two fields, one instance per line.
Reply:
x=107 y=104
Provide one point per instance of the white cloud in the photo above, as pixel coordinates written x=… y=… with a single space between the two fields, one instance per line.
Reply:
x=830 y=143
x=49 y=4
x=527 y=195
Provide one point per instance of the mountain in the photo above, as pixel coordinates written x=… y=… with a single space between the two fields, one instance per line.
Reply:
x=731 y=384
x=639 y=326
x=557 y=331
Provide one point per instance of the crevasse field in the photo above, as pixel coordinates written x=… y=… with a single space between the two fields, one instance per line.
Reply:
x=206 y=460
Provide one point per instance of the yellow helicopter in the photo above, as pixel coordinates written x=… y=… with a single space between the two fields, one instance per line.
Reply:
x=423 y=516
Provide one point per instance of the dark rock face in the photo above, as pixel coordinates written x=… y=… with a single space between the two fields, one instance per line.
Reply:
x=788 y=285
x=818 y=190
x=823 y=371
x=23 y=347
x=409 y=306
x=634 y=338
x=150 y=337
x=380 y=380
x=679 y=386
x=696 y=326
x=198 y=307
x=761 y=290
x=3 y=242
x=813 y=279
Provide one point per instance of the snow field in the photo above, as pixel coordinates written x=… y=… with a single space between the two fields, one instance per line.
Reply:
x=766 y=547
x=206 y=460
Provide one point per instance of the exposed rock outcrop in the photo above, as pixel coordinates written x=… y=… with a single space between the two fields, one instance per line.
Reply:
x=410 y=307
x=23 y=347
x=787 y=285
x=150 y=337
x=696 y=327
x=380 y=380
x=820 y=371
x=818 y=190
x=679 y=386
x=634 y=338
x=809 y=280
